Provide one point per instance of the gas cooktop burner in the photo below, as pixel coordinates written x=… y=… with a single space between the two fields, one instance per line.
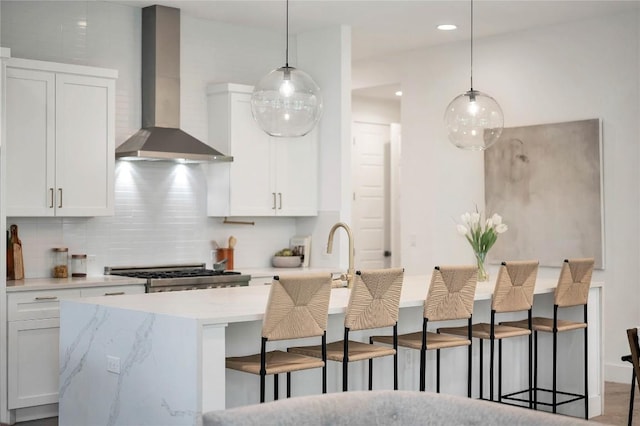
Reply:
x=180 y=277
x=174 y=274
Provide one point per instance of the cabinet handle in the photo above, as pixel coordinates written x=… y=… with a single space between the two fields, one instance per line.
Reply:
x=47 y=298
x=274 y=201
x=280 y=199
x=51 y=195
x=60 y=192
x=115 y=293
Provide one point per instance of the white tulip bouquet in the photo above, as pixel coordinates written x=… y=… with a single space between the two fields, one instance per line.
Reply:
x=482 y=235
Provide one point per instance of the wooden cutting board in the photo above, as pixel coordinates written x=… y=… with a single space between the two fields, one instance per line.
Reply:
x=15 y=263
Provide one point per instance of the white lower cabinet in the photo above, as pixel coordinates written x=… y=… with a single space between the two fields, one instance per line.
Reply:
x=33 y=341
x=33 y=362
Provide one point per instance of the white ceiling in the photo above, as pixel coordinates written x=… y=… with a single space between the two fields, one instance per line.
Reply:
x=382 y=27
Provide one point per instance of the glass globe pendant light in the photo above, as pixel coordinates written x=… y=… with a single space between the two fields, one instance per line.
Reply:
x=474 y=119
x=286 y=102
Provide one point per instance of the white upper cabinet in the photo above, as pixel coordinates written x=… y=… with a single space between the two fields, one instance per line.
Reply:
x=60 y=139
x=269 y=176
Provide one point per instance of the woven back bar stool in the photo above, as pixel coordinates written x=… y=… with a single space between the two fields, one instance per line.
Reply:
x=450 y=297
x=374 y=302
x=572 y=290
x=513 y=292
x=297 y=308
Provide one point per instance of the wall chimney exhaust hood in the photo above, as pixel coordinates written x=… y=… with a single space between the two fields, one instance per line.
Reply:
x=160 y=137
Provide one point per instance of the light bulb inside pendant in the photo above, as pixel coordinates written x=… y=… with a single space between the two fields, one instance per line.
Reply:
x=286 y=103
x=474 y=121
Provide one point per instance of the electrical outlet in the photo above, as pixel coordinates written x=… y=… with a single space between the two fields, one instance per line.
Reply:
x=113 y=364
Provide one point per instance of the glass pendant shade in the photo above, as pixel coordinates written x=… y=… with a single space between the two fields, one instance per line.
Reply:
x=286 y=103
x=474 y=121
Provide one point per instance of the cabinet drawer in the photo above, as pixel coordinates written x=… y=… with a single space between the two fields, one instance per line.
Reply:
x=37 y=304
x=112 y=290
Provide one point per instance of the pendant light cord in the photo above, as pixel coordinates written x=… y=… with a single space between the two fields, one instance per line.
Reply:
x=286 y=61
x=471 y=45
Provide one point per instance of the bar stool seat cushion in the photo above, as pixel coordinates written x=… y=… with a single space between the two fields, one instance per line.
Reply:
x=546 y=324
x=277 y=362
x=358 y=351
x=434 y=340
x=483 y=331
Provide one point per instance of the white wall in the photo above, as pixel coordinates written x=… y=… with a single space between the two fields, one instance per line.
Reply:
x=377 y=111
x=575 y=71
x=161 y=212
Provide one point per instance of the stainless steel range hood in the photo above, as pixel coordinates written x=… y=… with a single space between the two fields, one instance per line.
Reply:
x=160 y=137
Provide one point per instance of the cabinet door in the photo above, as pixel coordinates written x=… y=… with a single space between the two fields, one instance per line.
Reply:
x=33 y=362
x=85 y=149
x=250 y=193
x=296 y=175
x=30 y=146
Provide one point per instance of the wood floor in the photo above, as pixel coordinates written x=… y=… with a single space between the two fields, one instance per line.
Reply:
x=616 y=405
x=616 y=408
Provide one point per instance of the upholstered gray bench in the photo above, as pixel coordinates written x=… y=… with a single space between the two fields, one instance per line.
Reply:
x=384 y=408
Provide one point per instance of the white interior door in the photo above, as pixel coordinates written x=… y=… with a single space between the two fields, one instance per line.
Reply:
x=370 y=154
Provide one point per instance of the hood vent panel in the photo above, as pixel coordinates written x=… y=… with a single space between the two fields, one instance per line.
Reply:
x=160 y=139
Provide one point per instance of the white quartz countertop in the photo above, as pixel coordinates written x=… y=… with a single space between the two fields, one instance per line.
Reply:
x=239 y=304
x=32 y=284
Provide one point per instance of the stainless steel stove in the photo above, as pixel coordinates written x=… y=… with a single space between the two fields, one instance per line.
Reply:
x=180 y=277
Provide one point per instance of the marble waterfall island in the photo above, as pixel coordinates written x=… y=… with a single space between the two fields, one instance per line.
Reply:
x=158 y=358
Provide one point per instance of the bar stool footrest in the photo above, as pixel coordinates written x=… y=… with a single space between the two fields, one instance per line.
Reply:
x=576 y=396
x=512 y=397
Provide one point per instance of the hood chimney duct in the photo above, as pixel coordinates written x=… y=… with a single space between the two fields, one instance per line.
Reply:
x=161 y=137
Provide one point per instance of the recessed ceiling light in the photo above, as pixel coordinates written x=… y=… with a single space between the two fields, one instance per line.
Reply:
x=447 y=27
x=399 y=93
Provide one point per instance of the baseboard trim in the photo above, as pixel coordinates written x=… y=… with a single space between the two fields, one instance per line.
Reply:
x=619 y=372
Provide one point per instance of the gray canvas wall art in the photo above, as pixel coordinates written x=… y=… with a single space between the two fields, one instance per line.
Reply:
x=545 y=181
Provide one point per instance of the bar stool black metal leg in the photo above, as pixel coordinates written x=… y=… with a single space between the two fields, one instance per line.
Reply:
x=632 y=396
x=288 y=384
x=554 y=369
x=535 y=370
x=481 y=368
x=423 y=356
x=491 y=356
x=530 y=371
x=500 y=370
x=438 y=370
x=345 y=360
x=395 y=356
x=275 y=387
x=370 y=373
x=324 y=359
x=345 y=371
x=469 y=356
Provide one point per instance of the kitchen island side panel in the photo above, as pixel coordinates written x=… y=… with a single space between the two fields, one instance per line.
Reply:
x=158 y=380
